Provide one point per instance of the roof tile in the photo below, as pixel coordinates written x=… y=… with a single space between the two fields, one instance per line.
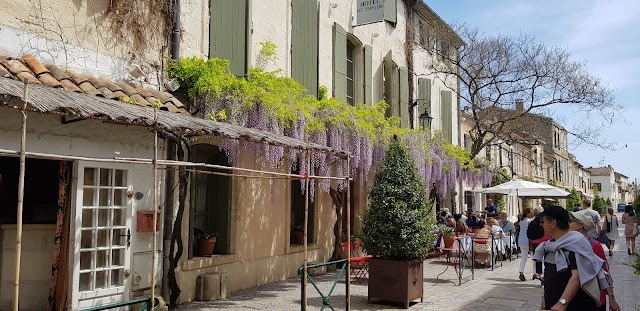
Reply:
x=112 y=86
x=126 y=88
x=69 y=86
x=16 y=66
x=34 y=64
x=53 y=76
x=27 y=77
x=48 y=80
x=4 y=72
x=57 y=72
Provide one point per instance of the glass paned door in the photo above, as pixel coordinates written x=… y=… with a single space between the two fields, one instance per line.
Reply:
x=103 y=236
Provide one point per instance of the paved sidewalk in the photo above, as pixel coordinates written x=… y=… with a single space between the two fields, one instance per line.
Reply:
x=490 y=290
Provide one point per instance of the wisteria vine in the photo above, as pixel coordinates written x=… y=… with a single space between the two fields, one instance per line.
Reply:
x=268 y=102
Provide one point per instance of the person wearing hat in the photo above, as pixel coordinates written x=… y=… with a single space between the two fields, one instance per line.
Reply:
x=581 y=221
x=573 y=276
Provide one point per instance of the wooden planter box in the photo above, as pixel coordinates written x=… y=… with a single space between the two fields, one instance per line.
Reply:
x=397 y=281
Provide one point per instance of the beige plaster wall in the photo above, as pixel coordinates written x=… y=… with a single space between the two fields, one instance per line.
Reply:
x=260 y=249
x=35 y=275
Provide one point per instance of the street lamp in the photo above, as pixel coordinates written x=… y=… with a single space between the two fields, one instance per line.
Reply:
x=425 y=116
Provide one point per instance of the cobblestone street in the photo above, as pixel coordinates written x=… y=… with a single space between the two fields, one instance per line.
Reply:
x=490 y=290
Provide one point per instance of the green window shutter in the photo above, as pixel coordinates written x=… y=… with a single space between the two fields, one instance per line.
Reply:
x=424 y=97
x=446 y=113
x=304 y=44
x=404 y=98
x=391 y=86
x=228 y=33
x=390 y=11
x=339 y=63
x=368 y=75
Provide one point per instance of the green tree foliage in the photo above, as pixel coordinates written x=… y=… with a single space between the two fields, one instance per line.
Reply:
x=397 y=225
x=573 y=200
x=636 y=206
x=598 y=204
x=497 y=179
x=607 y=203
x=546 y=203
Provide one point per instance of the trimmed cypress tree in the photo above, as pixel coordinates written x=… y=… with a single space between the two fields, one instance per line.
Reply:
x=574 y=200
x=397 y=225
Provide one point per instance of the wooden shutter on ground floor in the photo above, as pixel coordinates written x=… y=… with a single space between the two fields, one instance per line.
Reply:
x=446 y=115
x=368 y=75
x=304 y=44
x=424 y=99
x=228 y=37
x=339 y=63
x=404 y=98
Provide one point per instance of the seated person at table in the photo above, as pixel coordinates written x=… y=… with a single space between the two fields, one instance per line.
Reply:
x=461 y=226
x=475 y=222
x=496 y=229
x=491 y=209
x=482 y=245
x=442 y=218
x=451 y=222
x=505 y=224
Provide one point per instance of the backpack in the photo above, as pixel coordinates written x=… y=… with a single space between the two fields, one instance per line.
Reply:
x=535 y=230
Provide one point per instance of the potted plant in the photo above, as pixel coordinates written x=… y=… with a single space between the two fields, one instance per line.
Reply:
x=297 y=234
x=205 y=242
x=397 y=229
x=448 y=235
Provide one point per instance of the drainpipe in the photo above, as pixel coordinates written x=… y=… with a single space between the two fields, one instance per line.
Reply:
x=170 y=174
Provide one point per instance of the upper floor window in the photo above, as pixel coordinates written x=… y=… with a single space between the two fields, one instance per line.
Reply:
x=350 y=73
x=597 y=186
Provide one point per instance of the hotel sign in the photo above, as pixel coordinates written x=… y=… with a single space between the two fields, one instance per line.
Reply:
x=370 y=11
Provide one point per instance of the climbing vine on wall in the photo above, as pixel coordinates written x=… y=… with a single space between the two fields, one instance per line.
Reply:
x=140 y=23
x=270 y=102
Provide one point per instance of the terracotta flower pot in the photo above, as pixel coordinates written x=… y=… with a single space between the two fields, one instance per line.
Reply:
x=297 y=237
x=205 y=247
x=448 y=241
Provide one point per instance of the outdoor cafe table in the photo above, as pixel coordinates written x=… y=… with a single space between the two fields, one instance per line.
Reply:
x=463 y=249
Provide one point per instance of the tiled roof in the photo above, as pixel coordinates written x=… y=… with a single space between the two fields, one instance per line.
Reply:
x=600 y=171
x=30 y=70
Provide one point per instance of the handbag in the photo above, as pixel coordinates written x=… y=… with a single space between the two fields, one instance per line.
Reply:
x=602 y=238
x=635 y=229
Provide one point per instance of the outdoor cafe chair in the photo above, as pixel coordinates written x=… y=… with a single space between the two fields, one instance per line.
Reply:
x=359 y=261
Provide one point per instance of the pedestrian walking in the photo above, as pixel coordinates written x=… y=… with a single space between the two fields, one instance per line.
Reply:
x=610 y=228
x=630 y=228
x=573 y=275
x=581 y=221
x=594 y=232
x=523 y=240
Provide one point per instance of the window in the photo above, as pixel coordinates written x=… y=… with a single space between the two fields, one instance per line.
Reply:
x=297 y=209
x=467 y=142
x=350 y=74
x=103 y=224
x=597 y=186
x=210 y=198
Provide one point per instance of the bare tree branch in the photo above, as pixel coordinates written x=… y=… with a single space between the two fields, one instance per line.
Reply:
x=496 y=71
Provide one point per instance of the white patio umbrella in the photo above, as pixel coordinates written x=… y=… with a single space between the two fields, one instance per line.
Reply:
x=527 y=189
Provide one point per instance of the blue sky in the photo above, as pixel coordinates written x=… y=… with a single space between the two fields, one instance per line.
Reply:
x=604 y=34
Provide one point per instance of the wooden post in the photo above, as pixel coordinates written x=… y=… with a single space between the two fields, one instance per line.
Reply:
x=306 y=220
x=155 y=205
x=16 y=284
x=348 y=233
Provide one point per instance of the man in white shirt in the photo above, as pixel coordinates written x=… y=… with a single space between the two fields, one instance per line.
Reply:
x=593 y=232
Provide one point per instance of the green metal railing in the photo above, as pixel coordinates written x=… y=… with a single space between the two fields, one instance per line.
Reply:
x=326 y=299
x=145 y=307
